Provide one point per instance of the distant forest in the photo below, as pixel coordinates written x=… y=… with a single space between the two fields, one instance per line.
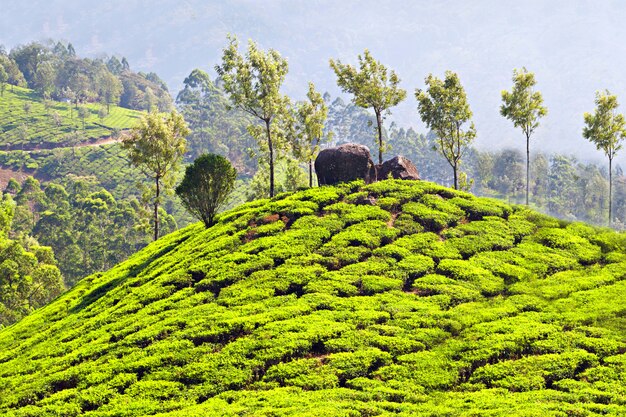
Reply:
x=55 y=71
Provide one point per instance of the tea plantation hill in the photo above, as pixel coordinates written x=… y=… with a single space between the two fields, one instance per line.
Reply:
x=29 y=122
x=391 y=299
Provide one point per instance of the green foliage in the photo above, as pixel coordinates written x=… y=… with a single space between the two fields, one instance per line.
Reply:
x=524 y=107
x=87 y=228
x=443 y=107
x=215 y=127
x=373 y=86
x=156 y=146
x=284 y=307
x=206 y=186
x=45 y=130
x=29 y=277
x=253 y=84
x=606 y=129
x=310 y=117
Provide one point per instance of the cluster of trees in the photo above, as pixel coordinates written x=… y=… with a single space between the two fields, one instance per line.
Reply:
x=86 y=227
x=29 y=276
x=55 y=71
x=560 y=185
x=157 y=146
x=253 y=80
x=215 y=126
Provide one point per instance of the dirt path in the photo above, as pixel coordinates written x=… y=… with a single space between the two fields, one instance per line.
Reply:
x=48 y=146
x=101 y=141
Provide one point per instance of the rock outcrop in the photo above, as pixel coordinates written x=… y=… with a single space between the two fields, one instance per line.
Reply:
x=399 y=167
x=345 y=163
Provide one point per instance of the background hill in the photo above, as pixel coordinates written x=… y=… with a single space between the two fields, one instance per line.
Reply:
x=84 y=202
x=30 y=122
x=396 y=298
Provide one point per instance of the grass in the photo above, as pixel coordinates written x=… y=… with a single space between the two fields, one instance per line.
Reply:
x=391 y=299
x=27 y=123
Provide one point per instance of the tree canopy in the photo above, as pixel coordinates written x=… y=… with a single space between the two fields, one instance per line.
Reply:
x=206 y=186
x=444 y=108
x=373 y=86
x=157 y=147
x=311 y=117
x=253 y=83
x=606 y=129
x=524 y=107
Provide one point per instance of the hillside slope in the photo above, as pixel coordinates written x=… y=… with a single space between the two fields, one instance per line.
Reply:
x=29 y=122
x=396 y=298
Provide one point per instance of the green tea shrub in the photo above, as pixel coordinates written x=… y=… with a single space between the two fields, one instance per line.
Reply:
x=349 y=365
x=276 y=312
x=353 y=214
x=534 y=372
x=431 y=218
x=482 y=279
x=407 y=225
x=458 y=291
x=477 y=208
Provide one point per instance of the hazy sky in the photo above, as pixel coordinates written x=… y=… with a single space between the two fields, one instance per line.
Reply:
x=574 y=47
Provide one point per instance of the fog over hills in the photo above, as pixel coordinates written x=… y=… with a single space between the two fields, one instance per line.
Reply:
x=574 y=47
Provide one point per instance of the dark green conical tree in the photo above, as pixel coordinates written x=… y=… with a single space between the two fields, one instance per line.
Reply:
x=206 y=186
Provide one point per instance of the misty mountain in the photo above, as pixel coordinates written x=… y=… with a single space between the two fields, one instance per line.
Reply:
x=574 y=48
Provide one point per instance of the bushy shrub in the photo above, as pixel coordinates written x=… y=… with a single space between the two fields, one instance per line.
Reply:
x=206 y=186
x=534 y=372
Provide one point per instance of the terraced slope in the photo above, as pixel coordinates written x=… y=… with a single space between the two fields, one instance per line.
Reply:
x=26 y=122
x=392 y=299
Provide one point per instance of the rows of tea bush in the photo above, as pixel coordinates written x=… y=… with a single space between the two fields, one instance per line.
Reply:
x=28 y=121
x=396 y=298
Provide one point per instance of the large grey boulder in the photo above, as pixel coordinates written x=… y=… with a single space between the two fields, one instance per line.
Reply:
x=400 y=168
x=345 y=163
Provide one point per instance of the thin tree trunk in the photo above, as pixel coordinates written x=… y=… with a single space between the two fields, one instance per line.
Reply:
x=527 y=166
x=610 y=189
x=379 y=122
x=310 y=173
x=156 y=210
x=271 y=151
x=455 y=168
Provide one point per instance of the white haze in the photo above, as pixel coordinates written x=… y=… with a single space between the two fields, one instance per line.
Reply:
x=574 y=47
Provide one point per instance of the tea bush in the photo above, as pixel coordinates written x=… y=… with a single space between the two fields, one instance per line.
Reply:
x=395 y=298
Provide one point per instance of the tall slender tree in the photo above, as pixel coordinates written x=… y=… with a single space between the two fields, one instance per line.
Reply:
x=524 y=107
x=373 y=86
x=253 y=83
x=444 y=108
x=606 y=129
x=157 y=147
x=311 y=116
x=83 y=113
